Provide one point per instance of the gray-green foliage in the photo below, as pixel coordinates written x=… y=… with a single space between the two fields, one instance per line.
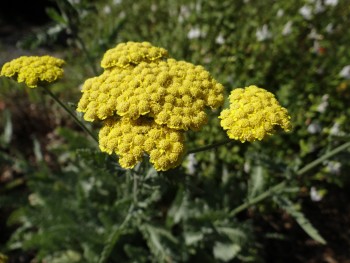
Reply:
x=84 y=208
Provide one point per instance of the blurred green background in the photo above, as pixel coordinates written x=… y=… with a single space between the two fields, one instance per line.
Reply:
x=60 y=198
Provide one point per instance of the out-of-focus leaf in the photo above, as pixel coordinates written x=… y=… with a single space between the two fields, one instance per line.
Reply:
x=256 y=182
x=303 y=222
x=54 y=15
x=226 y=251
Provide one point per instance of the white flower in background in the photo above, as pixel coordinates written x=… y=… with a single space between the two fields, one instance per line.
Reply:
x=191 y=164
x=314 y=127
x=287 y=29
x=117 y=2
x=184 y=13
x=246 y=1
x=306 y=12
x=220 y=40
x=331 y=2
x=280 y=13
x=122 y=15
x=333 y=167
x=335 y=129
x=319 y=7
x=324 y=104
x=263 y=33
x=329 y=28
x=74 y=2
x=345 y=72
x=314 y=35
x=154 y=8
x=315 y=196
x=246 y=167
x=107 y=10
x=194 y=33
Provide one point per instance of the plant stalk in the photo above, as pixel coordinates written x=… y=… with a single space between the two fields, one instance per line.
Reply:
x=55 y=98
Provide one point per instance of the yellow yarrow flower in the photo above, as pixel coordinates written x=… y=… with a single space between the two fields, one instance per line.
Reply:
x=253 y=114
x=34 y=70
x=146 y=102
x=131 y=139
x=174 y=93
x=132 y=53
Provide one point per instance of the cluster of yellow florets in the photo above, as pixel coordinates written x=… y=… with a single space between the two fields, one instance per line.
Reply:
x=132 y=53
x=130 y=139
x=34 y=70
x=140 y=86
x=253 y=114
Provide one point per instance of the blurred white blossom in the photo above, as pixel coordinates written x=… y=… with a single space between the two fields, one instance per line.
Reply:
x=107 y=9
x=314 y=127
x=287 y=29
x=335 y=129
x=280 y=13
x=191 y=164
x=333 y=167
x=194 y=33
x=263 y=33
x=154 y=8
x=329 y=28
x=184 y=13
x=324 y=104
x=220 y=39
x=315 y=196
x=331 y=2
x=117 y=2
x=306 y=12
x=345 y=72
x=319 y=7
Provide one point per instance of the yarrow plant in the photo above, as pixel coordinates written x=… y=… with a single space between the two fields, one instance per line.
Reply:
x=254 y=113
x=147 y=100
x=34 y=70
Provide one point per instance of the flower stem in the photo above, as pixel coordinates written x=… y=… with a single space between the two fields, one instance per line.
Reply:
x=323 y=158
x=55 y=98
x=274 y=189
x=209 y=147
x=279 y=187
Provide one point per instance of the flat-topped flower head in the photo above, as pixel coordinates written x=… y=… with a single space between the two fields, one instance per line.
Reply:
x=132 y=53
x=34 y=70
x=253 y=114
x=174 y=93
x=131 y=139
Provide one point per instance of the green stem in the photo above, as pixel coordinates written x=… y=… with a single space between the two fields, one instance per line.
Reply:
x=323 y=158
x=113 y=237
x=55 y=98
x=278 y=187
x=209 y=147
x=259 y=198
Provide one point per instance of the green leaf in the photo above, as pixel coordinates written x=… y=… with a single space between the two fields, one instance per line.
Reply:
x=7 y=134
x=256 y=182
x=54 y=15
x=226 y=251
x=303 y=222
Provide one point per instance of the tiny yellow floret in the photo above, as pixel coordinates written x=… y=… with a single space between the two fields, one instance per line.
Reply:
x=34 y=70
x=254 y=113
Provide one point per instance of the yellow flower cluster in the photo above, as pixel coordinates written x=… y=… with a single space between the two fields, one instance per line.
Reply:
x=253 y=114
x=34 y=70
x=141 y=85
x=131 y=138
x=132 y=53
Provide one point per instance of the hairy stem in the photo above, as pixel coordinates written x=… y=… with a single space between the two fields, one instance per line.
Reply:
x=55 y=98
x=279 y=187
x=323 y=158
